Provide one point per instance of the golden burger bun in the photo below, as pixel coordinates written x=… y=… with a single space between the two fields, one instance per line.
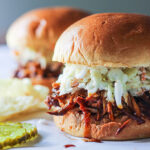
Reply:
x=38 y=30
x=109 y=39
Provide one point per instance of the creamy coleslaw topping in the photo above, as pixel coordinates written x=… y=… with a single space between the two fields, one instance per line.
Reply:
x=30 y=55
x=117 y=82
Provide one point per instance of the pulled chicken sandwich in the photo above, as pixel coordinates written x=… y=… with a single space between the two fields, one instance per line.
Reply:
x=103 y=92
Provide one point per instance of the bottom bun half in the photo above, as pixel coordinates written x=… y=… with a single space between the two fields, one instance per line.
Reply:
x=73 y=123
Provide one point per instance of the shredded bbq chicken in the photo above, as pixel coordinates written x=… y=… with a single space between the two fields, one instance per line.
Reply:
x=137 y=108
x=34 y=70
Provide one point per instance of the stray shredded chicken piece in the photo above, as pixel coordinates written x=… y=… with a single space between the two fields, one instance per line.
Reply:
x=122 y=126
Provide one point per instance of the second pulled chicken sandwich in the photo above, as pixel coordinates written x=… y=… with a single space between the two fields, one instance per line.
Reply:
x=103 y=92
x=32 y=38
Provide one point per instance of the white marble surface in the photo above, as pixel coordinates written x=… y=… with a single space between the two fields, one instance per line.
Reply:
x=51 y=137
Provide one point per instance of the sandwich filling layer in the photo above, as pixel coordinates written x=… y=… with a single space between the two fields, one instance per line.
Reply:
x=33 y=69
x=106 y=94
x=33 y=64
x=116 y=82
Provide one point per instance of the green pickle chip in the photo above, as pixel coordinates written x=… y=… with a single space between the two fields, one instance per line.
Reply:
x=14 y=134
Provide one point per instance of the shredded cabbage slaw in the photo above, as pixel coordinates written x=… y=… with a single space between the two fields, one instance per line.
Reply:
x=117 y=82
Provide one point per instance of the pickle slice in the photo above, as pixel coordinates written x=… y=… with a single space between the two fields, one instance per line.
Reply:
x=14 y=134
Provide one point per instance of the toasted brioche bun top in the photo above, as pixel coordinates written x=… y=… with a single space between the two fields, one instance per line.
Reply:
x=109 y=39
x=38 y=30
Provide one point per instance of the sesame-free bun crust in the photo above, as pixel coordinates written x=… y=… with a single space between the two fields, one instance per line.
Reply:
x=109 y=39
x=39 y=29
x=73 y=123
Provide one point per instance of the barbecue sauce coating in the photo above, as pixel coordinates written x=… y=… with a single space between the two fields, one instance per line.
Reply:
x=69 y=145
x=98 y=107
x=82 y=107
